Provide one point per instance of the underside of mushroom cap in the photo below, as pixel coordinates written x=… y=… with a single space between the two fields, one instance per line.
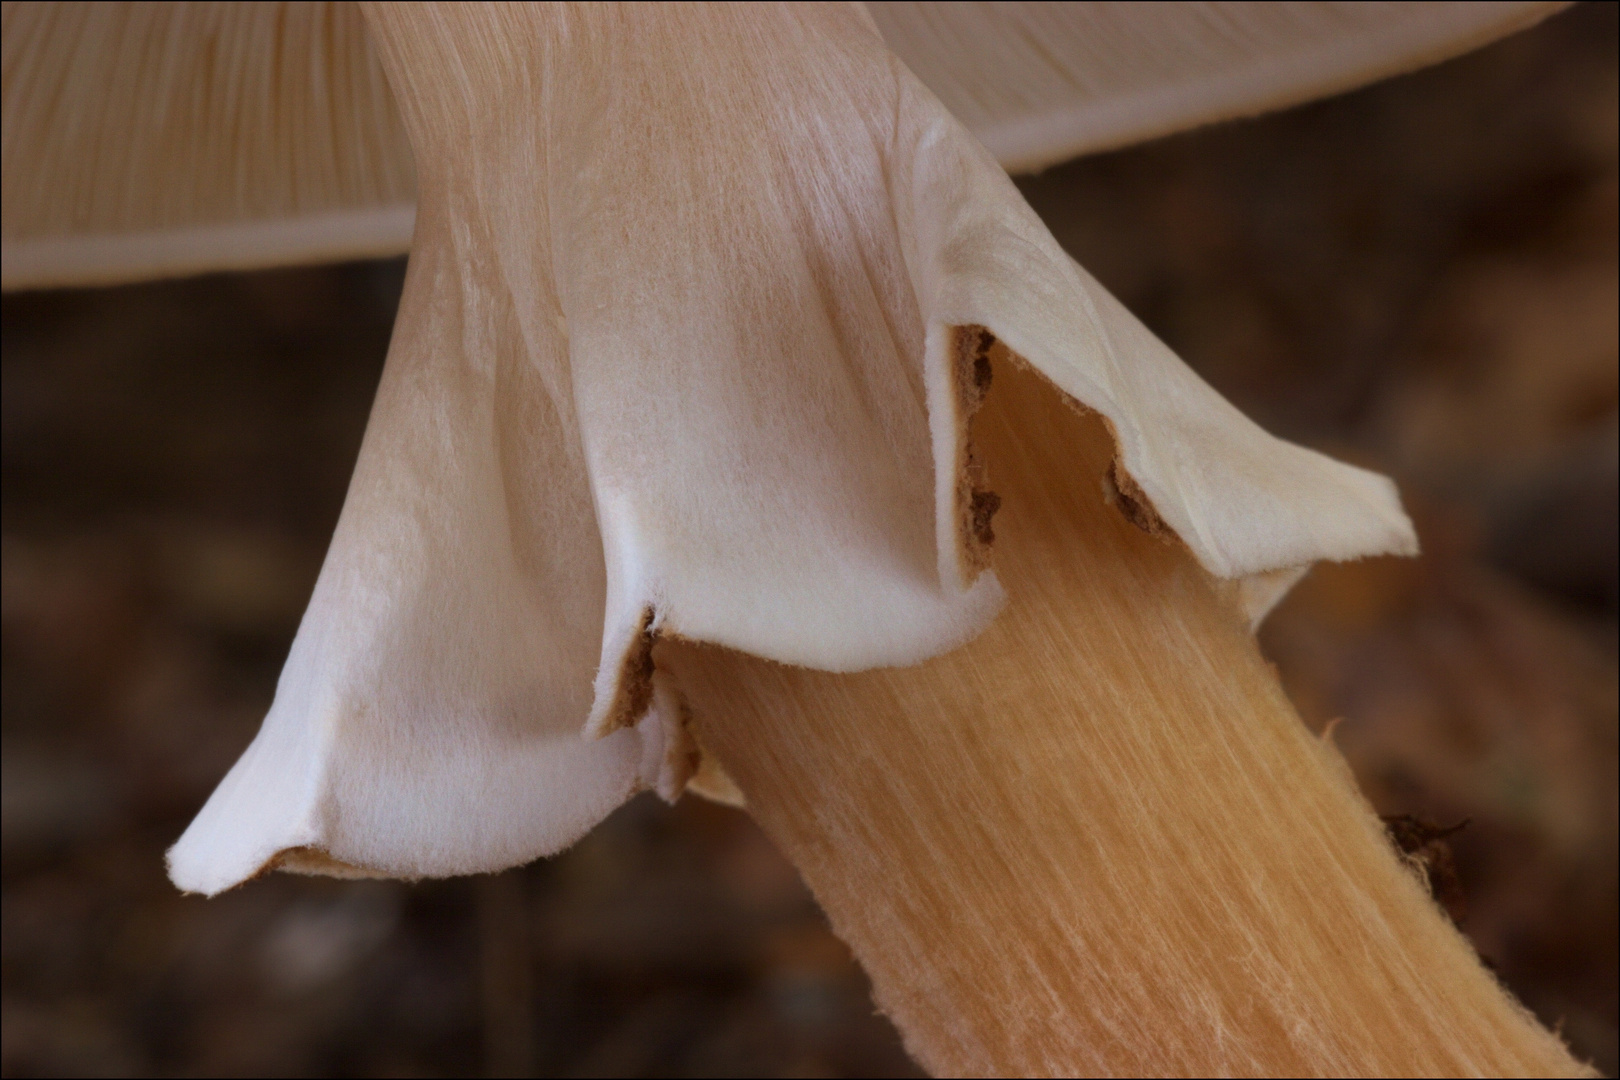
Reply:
x=1039 y=83
x=146 y=140
x=699 y=305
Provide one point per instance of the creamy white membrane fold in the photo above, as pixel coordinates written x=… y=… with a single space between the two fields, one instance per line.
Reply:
x=146 y=140
x=427 y=721
x=673 y=358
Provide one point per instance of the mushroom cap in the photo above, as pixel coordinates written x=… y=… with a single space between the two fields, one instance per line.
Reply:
x=146 y=140
x=1039 y=83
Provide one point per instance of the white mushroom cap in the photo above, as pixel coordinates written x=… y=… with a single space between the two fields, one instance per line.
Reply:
x=1039 y=83
x=690 y=335
x=146 y=140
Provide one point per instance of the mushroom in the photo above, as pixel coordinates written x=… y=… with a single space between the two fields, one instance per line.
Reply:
x=719 y=326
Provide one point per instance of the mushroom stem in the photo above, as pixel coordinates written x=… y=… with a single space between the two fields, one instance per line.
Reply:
x=1098 y=839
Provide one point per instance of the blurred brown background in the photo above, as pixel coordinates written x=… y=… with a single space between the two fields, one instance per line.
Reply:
x=1420 y=277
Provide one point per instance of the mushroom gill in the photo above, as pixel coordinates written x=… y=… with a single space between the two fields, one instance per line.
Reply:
x=145 y=139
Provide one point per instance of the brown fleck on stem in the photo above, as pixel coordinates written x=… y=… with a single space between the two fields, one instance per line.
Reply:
x=971 y=350
x=1098 y=839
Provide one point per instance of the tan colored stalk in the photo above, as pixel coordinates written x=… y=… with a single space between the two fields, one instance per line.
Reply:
x=1097 y=839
